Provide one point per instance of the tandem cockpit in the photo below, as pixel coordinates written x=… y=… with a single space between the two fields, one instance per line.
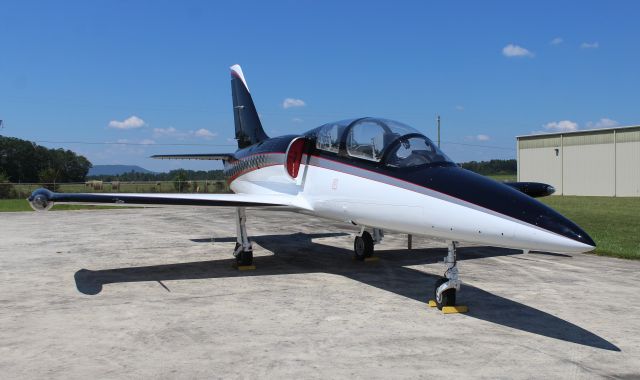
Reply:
x=381 y=141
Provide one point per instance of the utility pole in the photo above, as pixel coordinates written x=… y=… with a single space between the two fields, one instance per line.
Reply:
x=438 y=122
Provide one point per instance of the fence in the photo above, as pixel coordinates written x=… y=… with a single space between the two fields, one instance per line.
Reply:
x=23 y=190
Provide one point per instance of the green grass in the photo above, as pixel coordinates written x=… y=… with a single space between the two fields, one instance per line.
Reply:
x=614 y=223
x=7 y=205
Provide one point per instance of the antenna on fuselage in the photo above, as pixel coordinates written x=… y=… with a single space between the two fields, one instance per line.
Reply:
x=438 y=122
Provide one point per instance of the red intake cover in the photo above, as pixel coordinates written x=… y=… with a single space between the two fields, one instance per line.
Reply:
x=294 y=156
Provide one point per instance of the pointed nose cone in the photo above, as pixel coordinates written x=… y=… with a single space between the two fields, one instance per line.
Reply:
x=586 y=239
x=496 y=197
x=553 y=221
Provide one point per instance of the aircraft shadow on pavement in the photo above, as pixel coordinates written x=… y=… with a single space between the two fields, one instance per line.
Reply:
x=297 y=253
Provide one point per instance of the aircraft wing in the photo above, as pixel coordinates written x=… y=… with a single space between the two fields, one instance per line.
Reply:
x=206 y=156
x=43 y=199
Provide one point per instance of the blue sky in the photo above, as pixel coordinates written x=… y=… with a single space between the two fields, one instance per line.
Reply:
x=156 y=72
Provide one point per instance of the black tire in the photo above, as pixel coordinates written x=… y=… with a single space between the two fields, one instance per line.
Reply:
x=448 y=296
x=244 y=258
x=363 y=246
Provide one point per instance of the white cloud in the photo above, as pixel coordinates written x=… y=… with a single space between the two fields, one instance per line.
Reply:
x=459 y=108
x=590 y=45
x=561 y=126
x=291 y=102
x=129 y=123
x=297 y=120
x=133 y=142
x=512 y=50
x=602 y=123
x=480 y=137
x=207 y=134
x=164 y=131
x=182 y=135
x=556 y=41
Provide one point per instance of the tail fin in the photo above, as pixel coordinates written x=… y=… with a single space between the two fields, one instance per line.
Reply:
x=248 y=127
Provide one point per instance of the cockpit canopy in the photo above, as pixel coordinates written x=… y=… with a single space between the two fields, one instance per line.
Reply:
x=378 y=140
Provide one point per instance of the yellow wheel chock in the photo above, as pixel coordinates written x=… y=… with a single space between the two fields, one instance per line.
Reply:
x=450 y=309
x=244 y=267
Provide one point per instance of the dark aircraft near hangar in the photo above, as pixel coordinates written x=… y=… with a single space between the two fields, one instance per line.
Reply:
x=374 y=173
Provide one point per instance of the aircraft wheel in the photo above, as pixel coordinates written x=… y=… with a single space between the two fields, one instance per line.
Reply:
x=448 y=297
x=363 y=246
x=244 y=258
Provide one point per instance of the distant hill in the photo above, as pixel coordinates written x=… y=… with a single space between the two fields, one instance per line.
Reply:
x=116 y=169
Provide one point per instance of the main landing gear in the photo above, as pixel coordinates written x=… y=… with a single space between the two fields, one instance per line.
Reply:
x=364 y=243
x=244 y=251
x=445 y=289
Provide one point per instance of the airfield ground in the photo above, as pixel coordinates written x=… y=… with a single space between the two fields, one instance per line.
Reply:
x=144 y=293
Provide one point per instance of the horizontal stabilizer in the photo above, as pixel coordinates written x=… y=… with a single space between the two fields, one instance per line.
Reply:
x=206 y=156
x=42 y=199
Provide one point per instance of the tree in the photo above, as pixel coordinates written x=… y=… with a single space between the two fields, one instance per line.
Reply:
x=189 y=175
x=24 y=161
x=492 y=167
x=49 y=178
x=6 y=189
x=180 y=181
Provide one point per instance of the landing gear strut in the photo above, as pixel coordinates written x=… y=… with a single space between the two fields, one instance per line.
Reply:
x=243 y=251
x=364 y=242
x=446 y=288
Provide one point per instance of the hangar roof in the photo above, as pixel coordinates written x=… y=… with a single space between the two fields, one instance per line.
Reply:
x=583 y=131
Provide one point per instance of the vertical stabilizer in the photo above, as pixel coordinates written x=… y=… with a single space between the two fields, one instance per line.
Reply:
x=248 y=127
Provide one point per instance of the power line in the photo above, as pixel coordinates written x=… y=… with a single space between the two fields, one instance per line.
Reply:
x=126 y=143
x=223 y=145
x=479 y=145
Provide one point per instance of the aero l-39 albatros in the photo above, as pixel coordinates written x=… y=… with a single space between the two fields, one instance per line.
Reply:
x=375 y=173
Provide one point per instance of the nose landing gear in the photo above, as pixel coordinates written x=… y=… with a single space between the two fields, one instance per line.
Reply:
x=445 y=289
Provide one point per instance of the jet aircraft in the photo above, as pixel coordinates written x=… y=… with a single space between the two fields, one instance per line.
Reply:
x=377 y=174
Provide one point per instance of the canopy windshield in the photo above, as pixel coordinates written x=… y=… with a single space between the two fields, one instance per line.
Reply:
x=415 y=150
x=373 y=139
x=367 y=138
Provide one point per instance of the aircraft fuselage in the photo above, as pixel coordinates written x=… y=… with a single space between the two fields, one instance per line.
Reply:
x=442 y=200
